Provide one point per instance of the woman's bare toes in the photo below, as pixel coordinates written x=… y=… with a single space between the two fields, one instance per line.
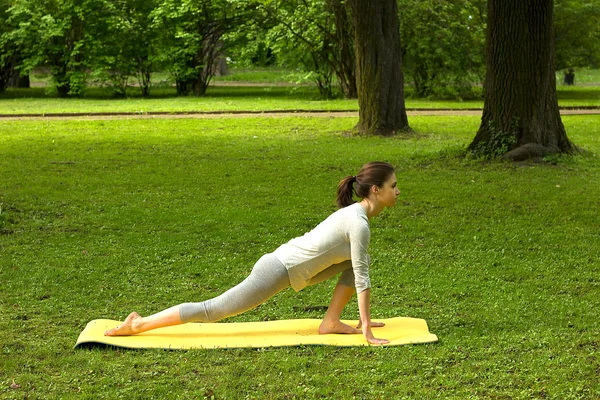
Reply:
x=129 y=327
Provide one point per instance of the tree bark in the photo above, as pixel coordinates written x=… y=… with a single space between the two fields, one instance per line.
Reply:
x=19 y=81
x=6 y=74
x=344 y=65
x=379 y=77
x=521 y=118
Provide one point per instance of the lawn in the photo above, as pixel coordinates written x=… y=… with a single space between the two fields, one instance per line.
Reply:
x=271 y=96
x=232 y=98
x=102 y=217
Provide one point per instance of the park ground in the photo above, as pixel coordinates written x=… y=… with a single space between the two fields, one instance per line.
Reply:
x=102 y=216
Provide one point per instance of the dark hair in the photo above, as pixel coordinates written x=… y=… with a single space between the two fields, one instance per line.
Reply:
x=373 y=173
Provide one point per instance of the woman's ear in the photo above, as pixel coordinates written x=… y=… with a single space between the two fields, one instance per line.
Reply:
x=374 y=189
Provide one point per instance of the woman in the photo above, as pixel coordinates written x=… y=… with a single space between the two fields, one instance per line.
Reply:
x=338 y=244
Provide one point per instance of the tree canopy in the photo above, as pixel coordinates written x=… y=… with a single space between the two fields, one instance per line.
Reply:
x=577 y=33
x=116 y=41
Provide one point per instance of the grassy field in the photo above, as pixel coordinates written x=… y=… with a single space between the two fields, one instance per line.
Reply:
x=277 y=75
x=99 y=218
x=34 y=101
x=272 y=96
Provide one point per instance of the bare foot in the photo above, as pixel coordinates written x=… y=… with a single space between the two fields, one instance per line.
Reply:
x=129 y=327
x=336 y=327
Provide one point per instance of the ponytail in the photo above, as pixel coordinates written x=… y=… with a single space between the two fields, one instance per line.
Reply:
x=345 y=191
x=373 y=173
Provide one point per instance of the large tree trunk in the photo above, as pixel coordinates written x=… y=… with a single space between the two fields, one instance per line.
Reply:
x=379 y=77
x=521 y=118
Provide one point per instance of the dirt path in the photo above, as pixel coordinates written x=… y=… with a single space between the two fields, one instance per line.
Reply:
x=260 y=114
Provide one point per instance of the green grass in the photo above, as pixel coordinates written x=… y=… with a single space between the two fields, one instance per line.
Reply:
x=217 y=99
x=99 y=218
x=272 y=75
x=582 y=76
x=33 y=101
x=278 y=75
x=273 y=96
x=267 y=75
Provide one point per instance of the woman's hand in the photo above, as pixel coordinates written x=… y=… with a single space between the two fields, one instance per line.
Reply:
x=369 y=335
x=378 y=341
x=364 y=300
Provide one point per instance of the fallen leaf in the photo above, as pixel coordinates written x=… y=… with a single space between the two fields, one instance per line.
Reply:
x=14 y=385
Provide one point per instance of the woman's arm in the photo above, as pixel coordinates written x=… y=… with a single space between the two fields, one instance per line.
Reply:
x=364 y=306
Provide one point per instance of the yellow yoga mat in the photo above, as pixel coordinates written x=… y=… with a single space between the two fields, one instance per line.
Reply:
x=295 y=332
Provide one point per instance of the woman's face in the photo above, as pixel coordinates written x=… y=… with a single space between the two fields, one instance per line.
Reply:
x=389 y=192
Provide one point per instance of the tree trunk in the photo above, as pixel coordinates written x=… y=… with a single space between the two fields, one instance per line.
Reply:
x=61 y=79
x=379 y=77
x=10 y=75
x=23 y=82
x=206 y=60
x=6 y=74
x=143 y=73
x=183 y=86
x=521 y=118
x=220 y=67
x=344 y=65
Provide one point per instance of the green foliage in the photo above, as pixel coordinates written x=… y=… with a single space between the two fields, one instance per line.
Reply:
x=443 y=46
x=247 y=44
x=53 y=34
x=102 y=217
x=577 y=33
x=117 y=40
x=496 y=141
x=305 y=35
x=8 y=50
x=125 y=46
x=192 y=38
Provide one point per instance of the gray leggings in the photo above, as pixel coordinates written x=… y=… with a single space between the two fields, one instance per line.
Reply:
x=268 y=277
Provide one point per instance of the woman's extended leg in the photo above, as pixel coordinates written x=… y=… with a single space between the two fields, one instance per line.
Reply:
x=135 y=323
x=268 y=277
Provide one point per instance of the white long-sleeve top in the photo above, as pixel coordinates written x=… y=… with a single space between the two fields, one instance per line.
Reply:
x=344 y=235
